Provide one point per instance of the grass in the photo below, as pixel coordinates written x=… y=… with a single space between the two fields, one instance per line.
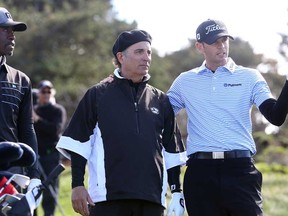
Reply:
x=64 y=196
x=275 y=194
x=274 y=191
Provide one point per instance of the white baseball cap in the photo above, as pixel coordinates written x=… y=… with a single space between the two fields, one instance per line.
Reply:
x=6 y=20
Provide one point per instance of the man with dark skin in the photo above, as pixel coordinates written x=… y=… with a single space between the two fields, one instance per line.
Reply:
x=16 y=123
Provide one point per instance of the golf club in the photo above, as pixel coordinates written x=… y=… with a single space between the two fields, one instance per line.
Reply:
x=27 y=203
x=6 y=200
x=21 y=180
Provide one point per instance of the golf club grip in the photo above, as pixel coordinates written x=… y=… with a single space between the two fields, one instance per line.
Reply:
x=53 y=174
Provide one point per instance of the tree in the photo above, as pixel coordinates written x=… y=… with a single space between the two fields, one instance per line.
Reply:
x=71 y=45
x=283 y=46
x=72 y=48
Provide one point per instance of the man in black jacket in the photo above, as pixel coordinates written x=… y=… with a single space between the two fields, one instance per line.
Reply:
x=126 y=131
x=49 y=122
x=16 y=123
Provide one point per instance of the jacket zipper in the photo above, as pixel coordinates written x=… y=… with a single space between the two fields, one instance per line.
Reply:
x=136 y=109
x=137 y=119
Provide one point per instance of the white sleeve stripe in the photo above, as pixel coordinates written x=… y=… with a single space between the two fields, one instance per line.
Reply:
x=174 y=159
x=67 y=143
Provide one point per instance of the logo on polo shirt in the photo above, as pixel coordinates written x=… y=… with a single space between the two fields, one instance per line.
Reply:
x=232 y=84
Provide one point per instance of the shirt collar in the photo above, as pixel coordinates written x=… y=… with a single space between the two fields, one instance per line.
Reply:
x=3 y=63
x=229 y=66
x=118 y=75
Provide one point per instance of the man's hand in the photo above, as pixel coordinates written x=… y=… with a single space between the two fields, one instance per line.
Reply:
x=35 y=116
x=108 y=79
x=176 y=204
x=80 y=200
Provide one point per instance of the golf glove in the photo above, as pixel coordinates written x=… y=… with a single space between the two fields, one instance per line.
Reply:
x=176 y=204
x=35 y=183
x=31 y=200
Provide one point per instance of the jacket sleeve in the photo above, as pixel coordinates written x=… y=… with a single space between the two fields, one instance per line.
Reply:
x=275 y=111
x=78 y=164
x=79 y=132
x=174 y=149
x=26 y=129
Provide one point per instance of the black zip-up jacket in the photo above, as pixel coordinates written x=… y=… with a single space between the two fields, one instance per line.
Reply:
x=123 y=134
x=16 y=124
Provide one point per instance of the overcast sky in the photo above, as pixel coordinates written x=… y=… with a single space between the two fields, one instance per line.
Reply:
x=171 y=23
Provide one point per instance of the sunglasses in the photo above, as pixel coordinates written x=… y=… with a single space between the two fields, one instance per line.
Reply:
x=45 y=92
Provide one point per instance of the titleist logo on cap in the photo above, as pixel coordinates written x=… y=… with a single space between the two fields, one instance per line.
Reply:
x=214 y=27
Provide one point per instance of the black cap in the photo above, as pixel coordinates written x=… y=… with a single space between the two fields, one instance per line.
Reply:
x=128 y=38
x=211 y=30
x=6 y=20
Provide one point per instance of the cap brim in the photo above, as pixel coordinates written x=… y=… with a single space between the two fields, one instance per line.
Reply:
x=17 y=26
x=216 y=37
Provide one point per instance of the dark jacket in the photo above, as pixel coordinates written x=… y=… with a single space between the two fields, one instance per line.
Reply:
x=49 y=127
x=135 y=125
x=16 y=124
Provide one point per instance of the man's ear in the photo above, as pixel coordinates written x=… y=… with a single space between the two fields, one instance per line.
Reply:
x=199 y=47
x=119 y=56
